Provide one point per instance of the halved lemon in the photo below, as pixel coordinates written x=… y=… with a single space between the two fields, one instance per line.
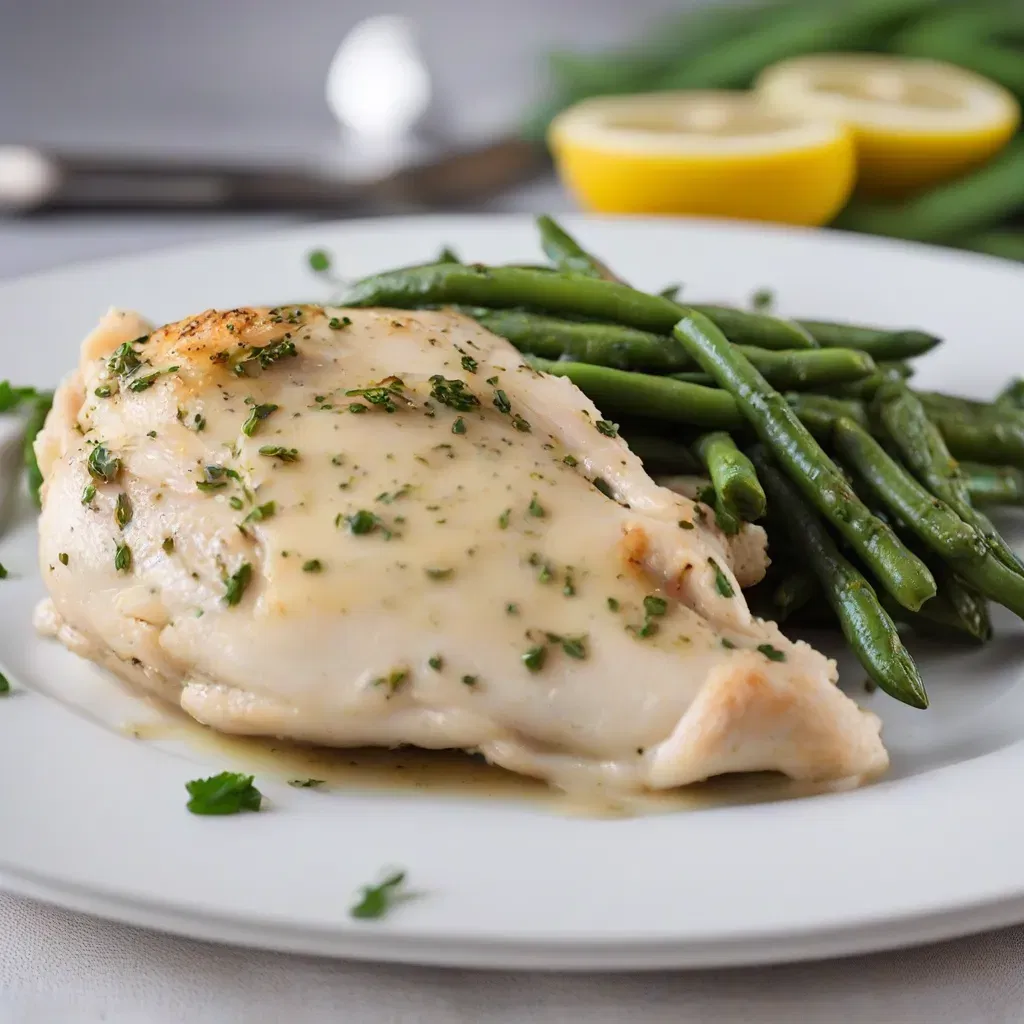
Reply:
x=915 y=122
x=714 y=154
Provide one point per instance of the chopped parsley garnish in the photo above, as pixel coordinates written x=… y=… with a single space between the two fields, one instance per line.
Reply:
x=363 y=522
x=256 y=416
x=357 y=407
x=88 y=494
x=277 y=451
x=226 y=793
x=306 y=783
x=492 y=380
x=235 y=584
x=503 y=519
x=685 y=524
x=602 y=485
x=393 y=680
x=122 y=557
x=571 y=460
x=236 y=502
x=453 y=393
x=63 y=558
x=436 y=662
x=459 y=426
x=535 y=508
x=501 y=402
x=470 y=680
x=574 y=646
x=336 y=325
x=168 y=544
x=654 y=608
x=198 y=422
x=728 y=644
x=319 y=261
x=722 y=584
x=613 y=604
x=535 y=657
x=123 y=511
x=771 y=653
x=439 y=574
x=103 y=391
x=520 y=424
x=376 y=900
x=381 y=394
x=261 y=512
x=511 y=608
x=469 y=364
x=387 y=497
x=124 y=361
x=569 y=587
x=5 y=686
x=267 y=355
x=655 y=605
x=607 y=428
x=313 y=565
x=102 y=465
x=215 y=477
x=147 y=380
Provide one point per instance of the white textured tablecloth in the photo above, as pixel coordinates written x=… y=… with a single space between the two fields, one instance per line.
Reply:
x=62 y=968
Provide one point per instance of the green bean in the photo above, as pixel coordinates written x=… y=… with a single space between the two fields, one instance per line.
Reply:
x=921 y=446
x=639 y=394
x=732 y=474
x=878 y=343
x=969 y=606
x=868 y=629
x=972 y=408
x=758 y=329
x=818 y=413
x=695 y=377
x=566 y=253
x=949 y=211
x=658 y=453
x=796 y=590
x=993 y=485
x=800 y=369
x=1012 y=396
x=624 y=348
x=996 y=581
x=560 y=294
x=903 y=574
x=928 y=517
x=36 y=418
x=980 y=440
x=447 y=255
x=867 y=386
x=1007 y=244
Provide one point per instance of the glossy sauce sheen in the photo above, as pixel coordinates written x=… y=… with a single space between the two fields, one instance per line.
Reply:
x=420 y=548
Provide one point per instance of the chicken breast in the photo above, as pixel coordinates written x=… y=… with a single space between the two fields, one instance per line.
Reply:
x=362 y=527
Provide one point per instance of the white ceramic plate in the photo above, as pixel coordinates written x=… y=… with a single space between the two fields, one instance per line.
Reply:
x=95 y=820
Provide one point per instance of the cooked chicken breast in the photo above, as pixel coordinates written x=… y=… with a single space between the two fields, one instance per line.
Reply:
x=357 y=527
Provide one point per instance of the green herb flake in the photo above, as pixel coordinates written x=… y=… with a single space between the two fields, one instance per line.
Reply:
x=277 y=451
x=199 y=422
x=571 y=460
x=306 y=783
x=459 y=426
x=535 y=508
x=654 y=605
x=122 y=558
x=469 y=364
x=535 y=657
x=260 y=512
x=124 y=360
x=511 y=608
x=168 y=544
x=771 y=653
x=523 y=426
x=102 y=465
x=256 y=416
x=226 y=793
x=439 y=574
x=337 y=324
x=313 y=565
x=357 y=407
x=236 y=503
x=569 y=587
x=122 y=511
x=685 y=524
x=722 y=584
x=319 y=261
x=607 y=428
x=63 y=558
x=436 y=662
x=613 y=604
x=267 y=355
x=453 y=393
x=362 y=522
x=728 y=644
x=470 y=680
x=501 y=402
x=88 y=494
x=5 y=686
x=147 y=380
x=376 y=900
x=236 y=583
x=382 y=394
x=103 y=391
x=503 y=519
x=574 y=646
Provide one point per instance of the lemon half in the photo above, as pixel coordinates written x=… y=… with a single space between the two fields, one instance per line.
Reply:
x=715 y=154
x=915 y=122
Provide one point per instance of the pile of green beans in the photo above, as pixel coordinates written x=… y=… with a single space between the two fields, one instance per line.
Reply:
x=811 y=423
